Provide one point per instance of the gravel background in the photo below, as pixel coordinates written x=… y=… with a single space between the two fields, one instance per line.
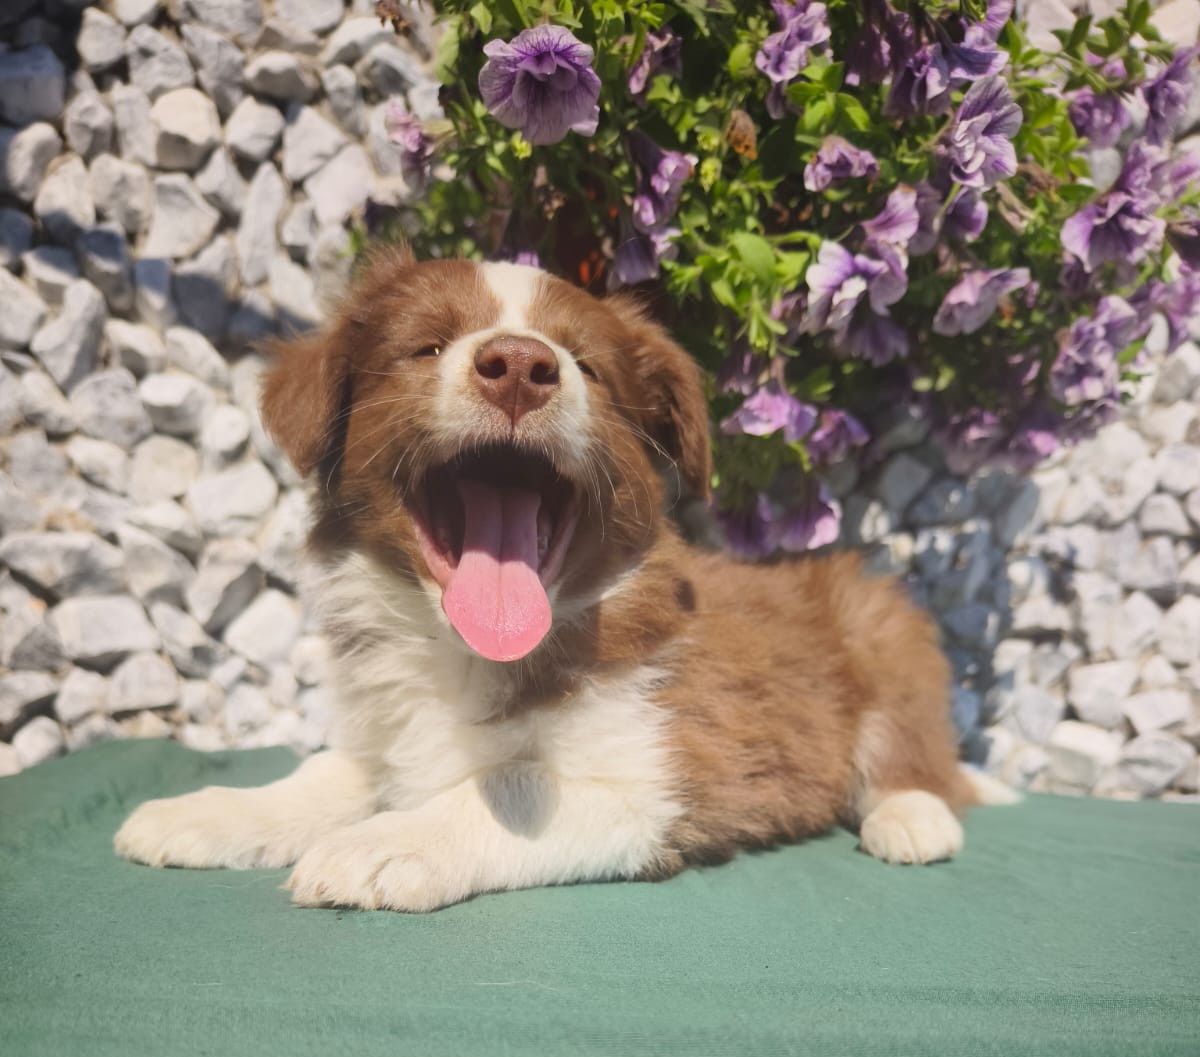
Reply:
x=177 y=180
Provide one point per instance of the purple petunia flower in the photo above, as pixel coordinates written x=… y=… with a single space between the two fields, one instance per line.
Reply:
x=814 y=520
x=978 y=147
x=1178 y=301
x=921 y=86
x=967 y=216
x=970 y=438
x=662 y=53
x=1086 y=367
x=542 y=83
x=898 y=221
x=1166 y=97
x=837 y=160
x=769 y=410
x=1184 y=237
x=849 y=295
x=405 y=131
x=750 y=531
x=836 y=433
x=802 y=27
x=972 y=300
x=637 y=257
x=1099 y=118
x=661 y=176
x=1120 y=225
x=742 y=372
x=1035 y=438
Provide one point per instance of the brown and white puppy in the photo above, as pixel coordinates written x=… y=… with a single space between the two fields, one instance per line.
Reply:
x=537 y=682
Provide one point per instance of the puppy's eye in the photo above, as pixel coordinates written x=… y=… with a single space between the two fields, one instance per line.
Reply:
x=586 y=369
x=427 y=352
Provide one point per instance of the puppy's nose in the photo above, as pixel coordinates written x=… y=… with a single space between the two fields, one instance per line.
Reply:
x=516 y=374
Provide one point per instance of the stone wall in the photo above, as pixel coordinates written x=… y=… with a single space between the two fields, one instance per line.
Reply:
x=177 y=181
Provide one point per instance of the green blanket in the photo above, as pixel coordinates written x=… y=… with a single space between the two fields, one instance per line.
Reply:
x=1067 y=927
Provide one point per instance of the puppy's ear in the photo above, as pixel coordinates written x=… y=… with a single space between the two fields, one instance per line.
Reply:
x=303 y=397
x=678 y=411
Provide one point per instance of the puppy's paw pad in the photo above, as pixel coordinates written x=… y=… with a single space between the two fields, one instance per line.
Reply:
x=911 y=827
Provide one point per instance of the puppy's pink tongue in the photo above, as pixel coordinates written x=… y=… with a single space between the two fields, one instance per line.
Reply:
x=495 y=599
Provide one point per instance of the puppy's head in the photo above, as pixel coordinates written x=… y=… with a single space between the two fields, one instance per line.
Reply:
x=490 y=431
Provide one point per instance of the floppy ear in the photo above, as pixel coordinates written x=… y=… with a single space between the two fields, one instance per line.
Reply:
x=303 y=396
x=678 y=414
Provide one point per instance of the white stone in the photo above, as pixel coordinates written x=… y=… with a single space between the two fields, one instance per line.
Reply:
x=64 y=563
x=353 y=39
x=281 y=542
x=345 y=100
x=100 y=41
x=317 y=16
x=390 y=68
x=1176 y=21
x=219 y=64
x=1178 y=468
x=280 y=76
x=177 y=404
x=143 y=680
x=1179 y=375
x=1155 y=709
x=107 y=407
x=253 y=129
x=144 y=725
x=240 y=19
x=221 y=183
x=32 y=85
x=266 y=630
x=227 y=578
x=169 y=521
x=135 y=12
x=157 y=64
x=1036 y=712
x=1150 y=566
x=1170 y=424
x=25 y=155
x=1019 y=515
x=187 y=128
x=183 y=221
x=22 y=692
x=1179 y=634
x=1097 y=692
x=281 y=35
x=201 y=738
x=1151 y=762
x=137 y=347
x=163 y=468
x=292 y=291
x=1041 y=615
x=256 y=238
x=64 y=203
x=88 y=125
x=92 y=731
x=201 y=699
x=1135 y=625
x=157 y=573
x=82 y=694
x=309 y=142
x=16 y=236
x=43 y=404
x=224 y=435
x=50 y=270
x=1079 y=753
x=1157 y=673
x=246 y=709
x=135 y=128
x=121 y=191
x=192 y=650
x=1083 y=500
x=98 y=631
x=99 y=461
x=340 y=186
x=232 y=502
x=332 y=261
x=41 y=738
x=152 y=292
x=23 y=312
x=194 y=354
x=205 y=287
x=1163 y=514
x=310 y=660
x=104 y=258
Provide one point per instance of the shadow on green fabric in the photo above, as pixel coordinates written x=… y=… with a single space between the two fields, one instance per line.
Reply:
x=1066 y=927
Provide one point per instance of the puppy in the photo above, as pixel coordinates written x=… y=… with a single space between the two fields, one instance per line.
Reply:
x=537 y=681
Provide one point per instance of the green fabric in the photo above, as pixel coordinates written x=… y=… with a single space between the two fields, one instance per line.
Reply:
x=1067 y=927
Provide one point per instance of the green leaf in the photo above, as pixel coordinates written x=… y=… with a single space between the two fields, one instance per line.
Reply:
x=481 y=14
x=756 y=254
x=446 y=56
x=723 y=292
x=741 y=61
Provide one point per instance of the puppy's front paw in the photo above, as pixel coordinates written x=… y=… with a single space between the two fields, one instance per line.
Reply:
x=911 y=827
x=379 y=864
x=210 y=828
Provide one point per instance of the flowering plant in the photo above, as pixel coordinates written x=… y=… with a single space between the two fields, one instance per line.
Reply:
x=839 y=207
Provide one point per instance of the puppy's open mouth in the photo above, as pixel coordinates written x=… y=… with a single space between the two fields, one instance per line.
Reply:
x=494 y=526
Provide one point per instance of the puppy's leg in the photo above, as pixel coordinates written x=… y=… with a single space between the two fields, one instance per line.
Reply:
x=244 y=828
x=909 y=788
x=516 y=828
